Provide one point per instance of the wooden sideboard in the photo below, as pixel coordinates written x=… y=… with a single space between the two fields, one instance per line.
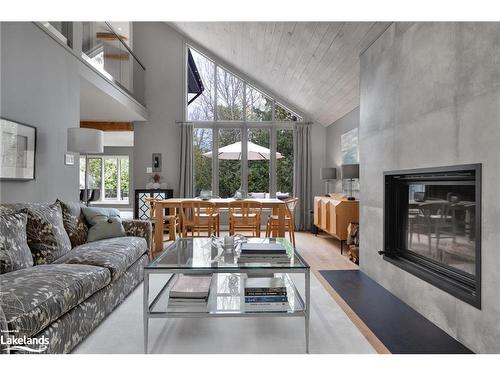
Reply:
x=334 y=215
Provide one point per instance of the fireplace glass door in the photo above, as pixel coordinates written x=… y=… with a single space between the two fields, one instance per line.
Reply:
x=432 y=226
x=441 y=223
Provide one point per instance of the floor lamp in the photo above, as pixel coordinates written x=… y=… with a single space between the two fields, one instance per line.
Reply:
x=85 y=141
x=327 y=175
x=350 y=172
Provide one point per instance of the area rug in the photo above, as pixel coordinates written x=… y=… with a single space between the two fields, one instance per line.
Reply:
x=400 y=328
x=331 y=331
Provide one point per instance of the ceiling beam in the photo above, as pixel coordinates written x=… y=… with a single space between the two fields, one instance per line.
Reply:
x=107 y=126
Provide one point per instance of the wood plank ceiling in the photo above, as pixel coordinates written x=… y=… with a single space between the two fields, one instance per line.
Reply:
x=312 y=65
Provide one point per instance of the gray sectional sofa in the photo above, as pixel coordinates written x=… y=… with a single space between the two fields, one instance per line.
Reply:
x=56 y=299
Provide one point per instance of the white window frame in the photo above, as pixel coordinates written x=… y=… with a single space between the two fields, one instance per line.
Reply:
x=118 y=159
x=244 y=125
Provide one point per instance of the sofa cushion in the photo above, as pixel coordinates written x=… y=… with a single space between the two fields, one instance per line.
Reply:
x=14 y=251
x=74 y=222
x=45 y=231
x=4 y=332
x=116 y=254
x=105 y=223
x=32 y=298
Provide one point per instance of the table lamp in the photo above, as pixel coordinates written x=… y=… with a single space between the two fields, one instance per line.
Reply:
x=350 y=172
x=328 y=174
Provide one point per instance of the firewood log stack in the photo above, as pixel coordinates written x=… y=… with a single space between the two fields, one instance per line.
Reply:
x=353 y=242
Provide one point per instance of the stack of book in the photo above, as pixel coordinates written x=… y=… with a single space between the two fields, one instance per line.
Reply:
x=254 y=252
x=189 y=293
x=265 y=294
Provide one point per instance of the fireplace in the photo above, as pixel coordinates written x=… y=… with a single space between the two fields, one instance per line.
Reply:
x=432 y=227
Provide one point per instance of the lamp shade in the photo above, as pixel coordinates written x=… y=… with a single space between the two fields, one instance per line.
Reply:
x=328 y=173
x=85 y=141
x=350 y=171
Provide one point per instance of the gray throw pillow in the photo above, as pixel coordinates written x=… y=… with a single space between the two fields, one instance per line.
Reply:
x=14 y=251
x=105 y=223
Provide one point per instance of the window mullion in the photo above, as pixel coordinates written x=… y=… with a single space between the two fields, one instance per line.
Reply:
x=272 y=163
x=215 y=160
x=216 y=117
x=244 y=145
x=244 y=157
x=103 y=190
x=118 y=182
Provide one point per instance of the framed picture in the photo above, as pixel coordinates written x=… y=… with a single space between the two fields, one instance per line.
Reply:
x=156 y=162
x=17 y=150
x=69 y=159
x=349 y=147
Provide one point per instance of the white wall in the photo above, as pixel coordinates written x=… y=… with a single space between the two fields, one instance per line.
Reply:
x=40 y=86
x=430 y=96
x=333 y=152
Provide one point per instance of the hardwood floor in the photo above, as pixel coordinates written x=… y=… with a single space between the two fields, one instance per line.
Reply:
x=322 y=252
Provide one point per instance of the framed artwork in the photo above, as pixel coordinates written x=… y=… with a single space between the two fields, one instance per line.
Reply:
x=156 y=162
x=69 y=159
x=349 y=147
x=17 y=150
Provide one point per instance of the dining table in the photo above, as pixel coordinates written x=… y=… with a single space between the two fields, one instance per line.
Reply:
x=173 y=205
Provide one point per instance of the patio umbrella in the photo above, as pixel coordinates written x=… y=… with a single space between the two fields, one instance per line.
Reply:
x=233 y=152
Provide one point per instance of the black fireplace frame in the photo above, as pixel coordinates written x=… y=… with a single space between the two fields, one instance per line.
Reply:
x=457 y=283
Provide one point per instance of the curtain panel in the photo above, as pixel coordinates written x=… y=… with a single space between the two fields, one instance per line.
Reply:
x=302 y=174
x=186 y=161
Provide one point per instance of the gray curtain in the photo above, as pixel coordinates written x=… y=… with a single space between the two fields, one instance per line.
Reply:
x=186 y=161
x=302 y=174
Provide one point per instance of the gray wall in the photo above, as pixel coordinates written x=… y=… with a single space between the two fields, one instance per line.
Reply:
x=161 y=49
x=318 y=135
x=430 y=96
x=40 y=86
x=333 y=154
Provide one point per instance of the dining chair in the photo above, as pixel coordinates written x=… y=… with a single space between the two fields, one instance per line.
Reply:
x=244 y=215
x=171 y=222
x=273 y=221
x=197 y=215
x=439 y=219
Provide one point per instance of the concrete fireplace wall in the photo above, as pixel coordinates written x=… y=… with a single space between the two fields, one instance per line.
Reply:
x=430 y=96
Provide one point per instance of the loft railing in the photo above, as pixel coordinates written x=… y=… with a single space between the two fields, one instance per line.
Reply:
x=109 y=51
x=107 y=47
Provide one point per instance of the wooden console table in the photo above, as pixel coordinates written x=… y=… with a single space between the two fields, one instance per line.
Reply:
x=333 y=216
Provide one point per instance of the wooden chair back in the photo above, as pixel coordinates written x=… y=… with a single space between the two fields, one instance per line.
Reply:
x=291 y=203
x=150 y=201
x=245 y=210
x=193 y=210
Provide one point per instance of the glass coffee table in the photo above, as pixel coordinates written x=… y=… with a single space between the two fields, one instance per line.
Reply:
x=202 y=256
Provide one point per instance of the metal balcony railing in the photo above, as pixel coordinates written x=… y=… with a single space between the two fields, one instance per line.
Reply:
x=107 y=47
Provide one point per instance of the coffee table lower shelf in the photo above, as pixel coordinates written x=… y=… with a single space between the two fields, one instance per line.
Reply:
x=226 y=298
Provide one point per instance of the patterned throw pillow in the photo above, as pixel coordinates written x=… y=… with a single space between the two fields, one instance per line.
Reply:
x=45 y=231
x=14 y=251
x=74 y=222
x=105 y=223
